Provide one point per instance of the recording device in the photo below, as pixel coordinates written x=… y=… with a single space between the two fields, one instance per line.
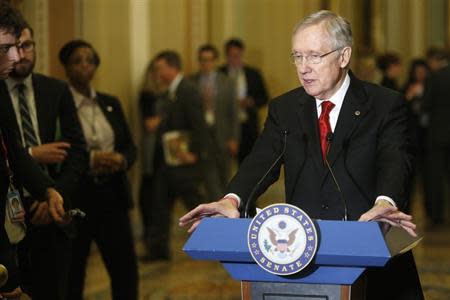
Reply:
x=329 y=141
x=255 y=188
x=75 y=213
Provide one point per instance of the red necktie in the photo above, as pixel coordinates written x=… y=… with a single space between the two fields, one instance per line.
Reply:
x=324 y=126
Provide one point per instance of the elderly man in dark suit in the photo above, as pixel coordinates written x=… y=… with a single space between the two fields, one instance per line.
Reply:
x=182 y=146
x=251 y=93
x=17 y=168
x=221 y=115
x=44 y=115
x=358 y=129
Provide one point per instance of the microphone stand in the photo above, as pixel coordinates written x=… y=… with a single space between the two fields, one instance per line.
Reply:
x=329 y=140
x=255 y=188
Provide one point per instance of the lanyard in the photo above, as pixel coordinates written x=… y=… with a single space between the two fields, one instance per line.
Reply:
x=8 y=168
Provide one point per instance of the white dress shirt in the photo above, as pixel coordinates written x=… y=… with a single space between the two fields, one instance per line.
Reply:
x=29 y=94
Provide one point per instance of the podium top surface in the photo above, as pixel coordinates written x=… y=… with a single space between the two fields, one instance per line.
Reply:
x=350 y=243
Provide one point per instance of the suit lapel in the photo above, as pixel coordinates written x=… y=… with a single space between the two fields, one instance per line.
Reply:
x=8 y=112
x=308 y=120
x=40 y=98
x=354 y=109
x=108 y=111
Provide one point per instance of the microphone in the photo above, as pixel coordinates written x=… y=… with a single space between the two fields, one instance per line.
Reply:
x=255 y=188
x=329 y=139
x=3 y=275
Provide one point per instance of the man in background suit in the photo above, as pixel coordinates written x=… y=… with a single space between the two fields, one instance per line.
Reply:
x=178 y=164
x=221 y=115
x=16 y=166
x=369 y=152
x=437 y=106
x=56 y=142
x=251 y=94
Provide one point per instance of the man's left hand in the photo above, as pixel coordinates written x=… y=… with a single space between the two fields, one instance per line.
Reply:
x=385 y=212
x=55 y=205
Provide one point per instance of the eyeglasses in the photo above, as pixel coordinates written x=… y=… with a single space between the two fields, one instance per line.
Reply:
x=298 y=59
x=26 y=45
x=4 y=48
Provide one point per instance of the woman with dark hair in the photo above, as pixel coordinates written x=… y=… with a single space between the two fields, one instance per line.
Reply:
x=413 y=91
x=391 y=68
x=104 y=192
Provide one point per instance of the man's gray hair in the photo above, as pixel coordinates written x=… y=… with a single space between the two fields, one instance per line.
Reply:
x=337 y=27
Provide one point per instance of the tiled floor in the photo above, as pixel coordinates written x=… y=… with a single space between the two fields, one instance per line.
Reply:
x=185 y=279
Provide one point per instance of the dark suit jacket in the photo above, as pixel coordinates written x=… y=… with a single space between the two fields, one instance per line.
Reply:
x=370 y=155
x=185 y=112
x=255 y=84
x=370 y=152
x=437 y=104
x=226 y=110
x=124 y=144
x=57 y=121
x=27 y=174
x=255 y=89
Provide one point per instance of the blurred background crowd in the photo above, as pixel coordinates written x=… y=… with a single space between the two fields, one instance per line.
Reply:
x=170 y=97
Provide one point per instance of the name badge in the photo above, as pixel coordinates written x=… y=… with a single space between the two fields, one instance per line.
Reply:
x=15 y=206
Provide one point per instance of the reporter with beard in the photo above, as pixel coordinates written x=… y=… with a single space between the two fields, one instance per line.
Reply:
x=44 y=116
x=17 y=168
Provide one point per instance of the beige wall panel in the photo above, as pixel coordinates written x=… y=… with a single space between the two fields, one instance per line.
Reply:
x=36 y=12
x=106 y=24
x=61 y=29
x=266 y=28
x=168 y=26
x=417 y=34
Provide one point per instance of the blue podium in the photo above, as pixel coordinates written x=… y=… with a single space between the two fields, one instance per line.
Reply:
x=346 y=250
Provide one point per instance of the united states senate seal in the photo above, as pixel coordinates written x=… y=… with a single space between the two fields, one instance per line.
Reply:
x=282 y=239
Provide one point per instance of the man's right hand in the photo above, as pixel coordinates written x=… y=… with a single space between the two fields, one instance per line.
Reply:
x=51 y=153
x=41 y=215
x=151 y=124
x=13 y=295
x=225 y=207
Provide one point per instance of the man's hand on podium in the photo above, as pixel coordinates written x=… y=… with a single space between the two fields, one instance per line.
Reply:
x=225 y=207
x=385 y=212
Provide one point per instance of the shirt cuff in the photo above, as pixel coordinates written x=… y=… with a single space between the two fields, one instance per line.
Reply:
x=234 y=197
x=91 y=158
x=386 y=198
x=30 y=151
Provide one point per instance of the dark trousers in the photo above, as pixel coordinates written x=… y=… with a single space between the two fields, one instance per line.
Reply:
x=108 y=224
x=438 y=169
x=170 y=183
x=146 y=201
x=217 y=170
x=398 y=280
x=44 y=256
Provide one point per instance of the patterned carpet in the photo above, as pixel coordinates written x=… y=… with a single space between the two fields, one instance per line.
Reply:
x=185 y=279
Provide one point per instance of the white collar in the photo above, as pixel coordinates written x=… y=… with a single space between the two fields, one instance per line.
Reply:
x=338 y=98
x=12 y=83
x=79 y=98
x=175 y=83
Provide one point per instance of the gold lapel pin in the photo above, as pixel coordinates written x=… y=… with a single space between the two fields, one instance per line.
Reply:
x=109 y=108
x=357 y=113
